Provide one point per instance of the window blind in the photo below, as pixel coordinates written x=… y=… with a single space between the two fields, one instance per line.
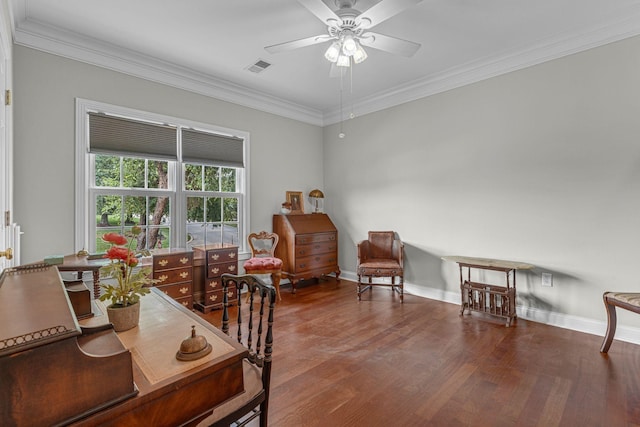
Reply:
x=209 y=148
x=126 y=137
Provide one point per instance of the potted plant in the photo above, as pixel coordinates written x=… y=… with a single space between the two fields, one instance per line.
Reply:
x=129 y=283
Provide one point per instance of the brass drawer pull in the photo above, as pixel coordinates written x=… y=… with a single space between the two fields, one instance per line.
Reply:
x=184 y=274
x=215 y=257
x=213 y=298
x=163 y=262
x=163 y=278
x=232 y=255
x=184 y=260
x=184 y=291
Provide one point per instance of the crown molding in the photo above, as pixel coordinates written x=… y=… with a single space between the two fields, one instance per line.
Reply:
x=38 y=36
x=35 y=35
x=473 y=72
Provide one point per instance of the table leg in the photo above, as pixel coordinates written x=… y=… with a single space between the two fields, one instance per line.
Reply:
x=96 y=284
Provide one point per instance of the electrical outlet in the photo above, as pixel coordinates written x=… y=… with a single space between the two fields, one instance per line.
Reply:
x=547 y=279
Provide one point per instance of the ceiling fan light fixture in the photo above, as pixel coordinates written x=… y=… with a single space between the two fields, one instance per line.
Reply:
x=343 y=61
x=359 y=55
x=333 y=52
x=349 y=45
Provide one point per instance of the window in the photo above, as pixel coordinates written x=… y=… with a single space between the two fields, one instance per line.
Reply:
x=183 y=183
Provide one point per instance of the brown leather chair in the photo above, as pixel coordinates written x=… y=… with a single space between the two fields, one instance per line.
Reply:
x=263 y=259
x=254 y=331
x=627 y=300
x=381 y=255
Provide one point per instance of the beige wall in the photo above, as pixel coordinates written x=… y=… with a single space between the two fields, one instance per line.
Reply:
x=540 y=165
x=45 y=88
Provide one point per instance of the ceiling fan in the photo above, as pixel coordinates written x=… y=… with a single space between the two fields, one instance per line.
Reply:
x=348 y=28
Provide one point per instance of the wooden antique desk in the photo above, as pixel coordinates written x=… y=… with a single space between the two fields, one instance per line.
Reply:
x=488 y=298
x=171 y=392
x=58 y=370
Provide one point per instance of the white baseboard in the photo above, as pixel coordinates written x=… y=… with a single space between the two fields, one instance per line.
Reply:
x=566 y=321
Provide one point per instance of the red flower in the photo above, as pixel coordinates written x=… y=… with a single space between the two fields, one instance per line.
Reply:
x=115 y=238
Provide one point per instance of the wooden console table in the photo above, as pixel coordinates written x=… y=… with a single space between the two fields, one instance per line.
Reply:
x=484 y=297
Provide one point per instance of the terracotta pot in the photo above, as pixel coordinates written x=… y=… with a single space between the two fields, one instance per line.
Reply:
x=124 y=318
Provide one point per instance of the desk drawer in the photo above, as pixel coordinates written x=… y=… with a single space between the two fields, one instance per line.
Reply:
x=168 y=261
x=304 y=239
x=217 y=270
x=177 y=275
x=213 y=284
x=215 y=256
x=316 y=248
x=215 y=298
x=315 y=262
x=177 y=290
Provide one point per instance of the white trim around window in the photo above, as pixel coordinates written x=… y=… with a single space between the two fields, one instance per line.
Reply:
x=83 y=203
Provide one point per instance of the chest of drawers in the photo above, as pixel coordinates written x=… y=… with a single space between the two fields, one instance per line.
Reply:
x=217 y=261
x=308 y=246
x=173 y=270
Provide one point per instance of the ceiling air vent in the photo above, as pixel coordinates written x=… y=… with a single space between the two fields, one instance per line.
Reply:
x=259 y=66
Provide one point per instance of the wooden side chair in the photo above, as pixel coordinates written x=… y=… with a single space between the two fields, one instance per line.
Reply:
x=627 y=300
x=381 y=255
x=254 y=331
x=263 y=259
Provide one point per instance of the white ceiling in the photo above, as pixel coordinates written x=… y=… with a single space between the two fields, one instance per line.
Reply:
x=207 y=45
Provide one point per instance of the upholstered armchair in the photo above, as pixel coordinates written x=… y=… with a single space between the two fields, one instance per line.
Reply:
x=381 y=255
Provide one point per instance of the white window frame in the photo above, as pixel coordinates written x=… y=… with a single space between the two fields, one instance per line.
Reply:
x=85 y=206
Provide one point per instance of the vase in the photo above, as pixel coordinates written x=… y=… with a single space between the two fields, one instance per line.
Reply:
x=124 y=318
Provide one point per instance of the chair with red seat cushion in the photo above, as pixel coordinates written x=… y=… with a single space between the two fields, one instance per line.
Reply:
x=263 y=260
x=381 y=255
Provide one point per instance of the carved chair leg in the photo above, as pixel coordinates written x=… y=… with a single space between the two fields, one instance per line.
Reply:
x=275 y=280
x=611 y=325
x=401 y=289
x=358 y=288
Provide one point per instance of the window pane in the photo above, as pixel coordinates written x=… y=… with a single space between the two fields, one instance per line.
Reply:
x=107 y=171
x=159 y=237
x=211 y=178
x=230 y=233
x=135 y=210
x=230 y=209
x=193 y=177
x=108 y=211
x=195 y=234
x=133 y=173
x=213 y=234
x=228 y=180
x=214 y=209
x=158 y=177
x=195 y=209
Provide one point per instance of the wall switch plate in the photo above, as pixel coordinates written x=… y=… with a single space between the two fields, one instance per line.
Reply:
x=547 y=279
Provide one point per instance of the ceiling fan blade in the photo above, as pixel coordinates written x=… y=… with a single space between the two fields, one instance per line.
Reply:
x=296 y=44
x=322 y=11
x=383 y=11
x=389 y=44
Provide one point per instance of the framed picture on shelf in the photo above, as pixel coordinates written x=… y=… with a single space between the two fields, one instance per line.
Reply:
x=297 y=202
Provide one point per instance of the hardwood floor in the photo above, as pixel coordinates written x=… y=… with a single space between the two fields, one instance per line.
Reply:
x=340 y=362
